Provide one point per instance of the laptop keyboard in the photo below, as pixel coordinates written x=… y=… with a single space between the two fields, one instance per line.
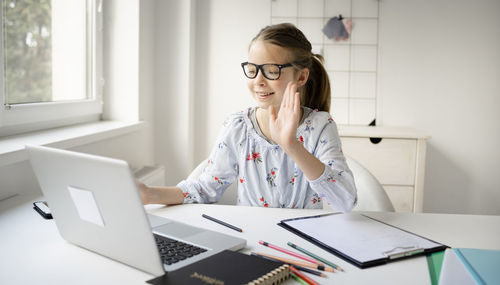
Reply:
x=172 y=251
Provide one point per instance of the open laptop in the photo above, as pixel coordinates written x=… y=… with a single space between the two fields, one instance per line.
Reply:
x=96 y=205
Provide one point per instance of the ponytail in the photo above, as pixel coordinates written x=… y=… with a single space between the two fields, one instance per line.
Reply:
x=316 y=93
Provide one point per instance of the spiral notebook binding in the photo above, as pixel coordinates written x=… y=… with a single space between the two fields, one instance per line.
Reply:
x=277 y=276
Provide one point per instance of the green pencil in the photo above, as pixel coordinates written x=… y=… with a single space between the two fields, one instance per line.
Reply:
x=315 y=256
x=298 y=279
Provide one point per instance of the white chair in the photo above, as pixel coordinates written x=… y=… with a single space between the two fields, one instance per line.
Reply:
x=371 y=195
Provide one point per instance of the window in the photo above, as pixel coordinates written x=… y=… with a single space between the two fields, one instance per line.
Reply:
x=51 y=65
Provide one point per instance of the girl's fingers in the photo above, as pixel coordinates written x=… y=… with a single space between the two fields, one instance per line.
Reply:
x=272 y=113
x=284 y=100
x=291 y=94
x=289 y=100
x=296 y=101
x=292 y=100
x=286 y=95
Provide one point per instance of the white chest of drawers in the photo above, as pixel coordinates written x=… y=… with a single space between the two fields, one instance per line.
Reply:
x=395 y=156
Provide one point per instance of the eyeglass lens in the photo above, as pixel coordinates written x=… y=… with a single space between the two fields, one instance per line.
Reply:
x=271 y=71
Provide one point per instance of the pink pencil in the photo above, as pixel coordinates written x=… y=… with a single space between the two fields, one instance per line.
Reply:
x=291 y=253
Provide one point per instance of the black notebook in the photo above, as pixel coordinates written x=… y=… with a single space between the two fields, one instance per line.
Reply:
x=227 y=267
x=359 y=239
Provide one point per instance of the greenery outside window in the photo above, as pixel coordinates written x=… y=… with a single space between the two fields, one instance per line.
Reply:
x=51 y=64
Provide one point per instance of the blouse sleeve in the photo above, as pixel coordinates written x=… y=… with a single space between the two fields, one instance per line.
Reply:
x=336 y=184
x=221 y=169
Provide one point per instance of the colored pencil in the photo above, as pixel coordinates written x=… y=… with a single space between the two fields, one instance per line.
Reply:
x=301 y=268
x=303 y=276
x=222 y=223
x=298 y=279
x=315 y=256
x=296 y=262
x=306 y=258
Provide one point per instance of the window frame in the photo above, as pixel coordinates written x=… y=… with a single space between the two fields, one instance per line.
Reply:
x=22 y=118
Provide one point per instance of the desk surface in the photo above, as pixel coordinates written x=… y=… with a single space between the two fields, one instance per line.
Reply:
x=33 y=252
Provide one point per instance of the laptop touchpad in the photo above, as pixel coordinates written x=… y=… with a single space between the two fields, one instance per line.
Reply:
x=177 y=230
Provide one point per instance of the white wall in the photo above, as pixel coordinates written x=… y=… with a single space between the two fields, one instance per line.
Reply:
x=173 y=44
x=439 y=72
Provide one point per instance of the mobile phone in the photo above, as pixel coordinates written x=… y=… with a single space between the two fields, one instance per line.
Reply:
x=43 y=209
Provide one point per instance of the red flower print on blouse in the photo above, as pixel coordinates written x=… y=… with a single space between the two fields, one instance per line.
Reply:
x=188 y=196
x=220 y=181
x=301 y=139
x=255 y=156
x=330 y=179
x=316 y=198
x=295 y=174
x=271 y=176
x=264 y=202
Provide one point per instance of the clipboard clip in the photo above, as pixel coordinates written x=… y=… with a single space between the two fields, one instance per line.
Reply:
x=402 y=251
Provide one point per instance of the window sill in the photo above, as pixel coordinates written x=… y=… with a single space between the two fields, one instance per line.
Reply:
x=12 y=148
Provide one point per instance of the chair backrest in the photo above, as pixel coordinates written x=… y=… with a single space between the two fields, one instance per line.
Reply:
x=371 y=194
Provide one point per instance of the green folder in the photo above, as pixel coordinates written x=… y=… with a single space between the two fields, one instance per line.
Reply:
x=434 y=262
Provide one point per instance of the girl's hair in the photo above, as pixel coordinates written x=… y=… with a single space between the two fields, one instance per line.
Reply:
x=315 y=94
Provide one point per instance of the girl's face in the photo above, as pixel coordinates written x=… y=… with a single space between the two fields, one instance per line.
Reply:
x=270 y=92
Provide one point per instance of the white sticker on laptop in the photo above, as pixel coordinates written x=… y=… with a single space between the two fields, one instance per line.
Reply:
x=86 y=205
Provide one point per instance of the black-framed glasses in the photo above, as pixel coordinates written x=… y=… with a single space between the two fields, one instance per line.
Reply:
x=270 y=71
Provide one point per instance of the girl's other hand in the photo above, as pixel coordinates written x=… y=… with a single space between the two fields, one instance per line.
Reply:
x=144 y=192
x=283 y=125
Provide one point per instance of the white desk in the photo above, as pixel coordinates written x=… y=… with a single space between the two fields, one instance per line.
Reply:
x=32 y=252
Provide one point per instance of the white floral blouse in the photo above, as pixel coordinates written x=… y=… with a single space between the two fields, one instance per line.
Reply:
x=266 y=176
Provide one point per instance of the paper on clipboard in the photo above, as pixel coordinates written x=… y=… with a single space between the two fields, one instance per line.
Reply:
x=360 y=237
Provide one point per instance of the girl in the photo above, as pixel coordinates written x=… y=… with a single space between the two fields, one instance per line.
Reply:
x=285 y=152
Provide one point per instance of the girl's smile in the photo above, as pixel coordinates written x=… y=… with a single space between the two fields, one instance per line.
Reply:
x=263 y=95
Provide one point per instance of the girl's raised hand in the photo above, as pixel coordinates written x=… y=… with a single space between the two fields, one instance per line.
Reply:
x=283 y=126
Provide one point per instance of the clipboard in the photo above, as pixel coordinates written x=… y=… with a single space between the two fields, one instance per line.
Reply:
x=359 y=239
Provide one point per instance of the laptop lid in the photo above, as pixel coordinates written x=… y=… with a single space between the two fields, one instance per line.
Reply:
x=96 y=205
